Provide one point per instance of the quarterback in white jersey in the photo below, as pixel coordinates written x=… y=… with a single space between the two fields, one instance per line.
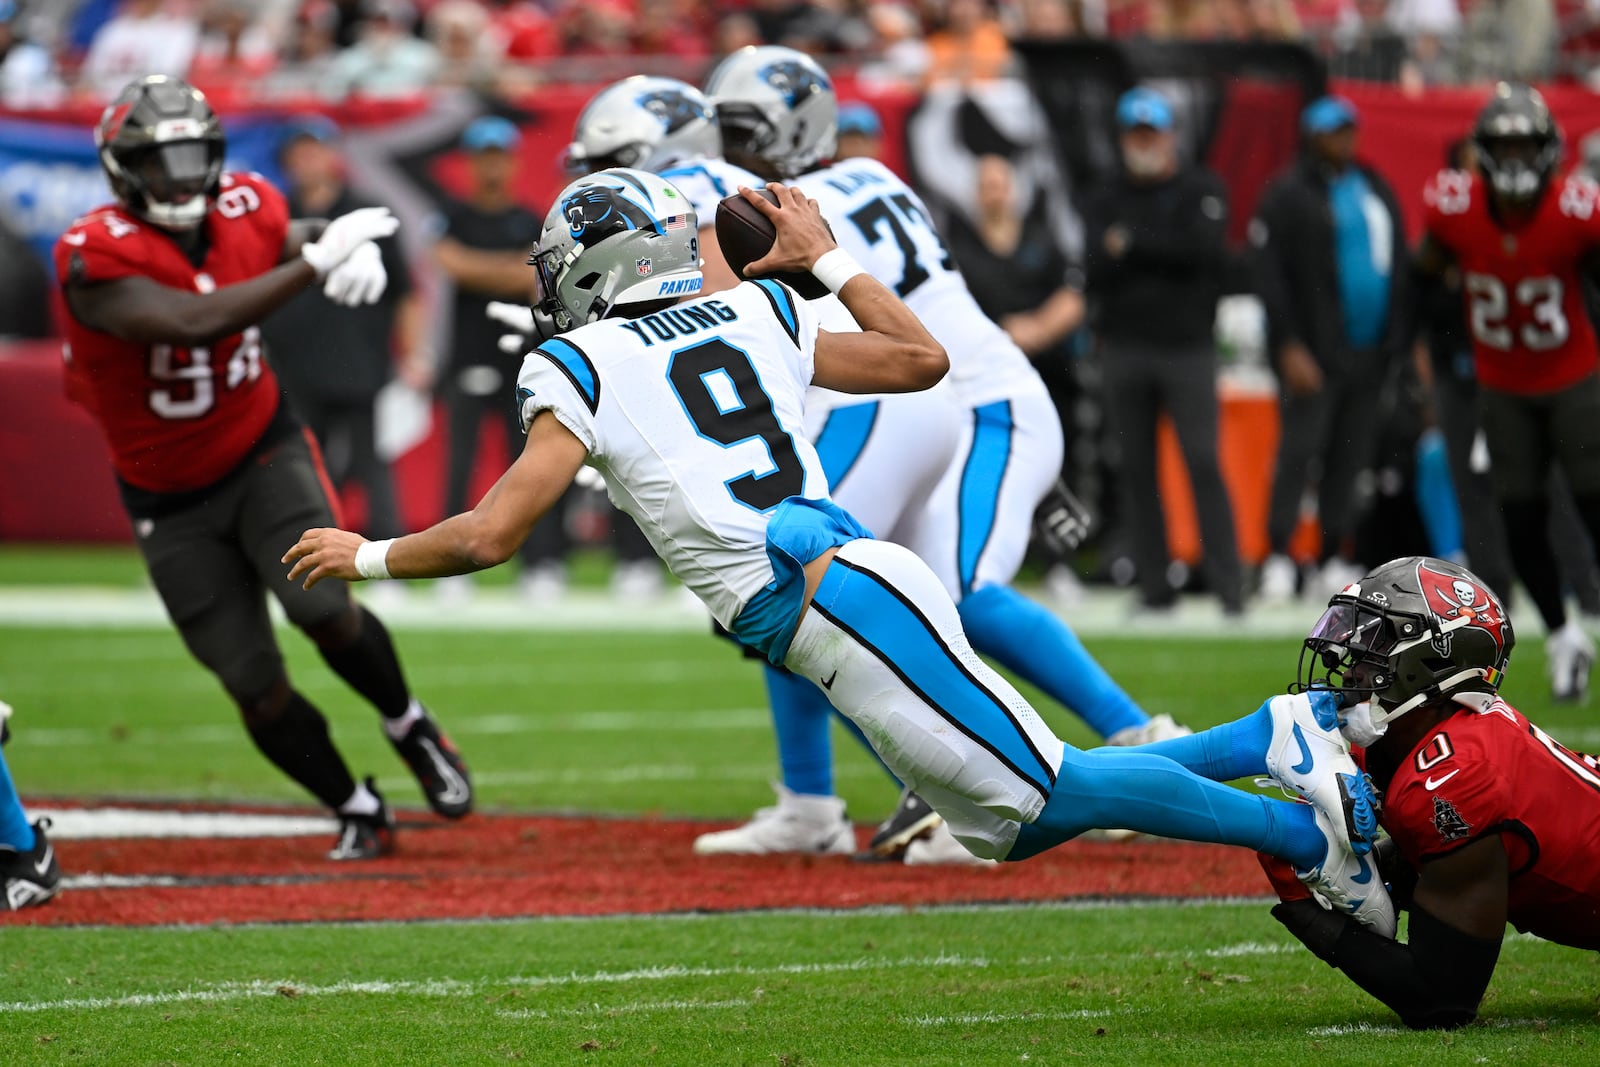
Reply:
x=692 y=410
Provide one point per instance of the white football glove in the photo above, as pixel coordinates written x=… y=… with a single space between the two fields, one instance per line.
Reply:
x=345 y=234
x=359 y=280
x=517 y=316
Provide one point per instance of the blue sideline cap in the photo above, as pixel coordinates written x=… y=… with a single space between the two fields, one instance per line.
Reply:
x=1328 y=114
x=490 y=131
x=861 y=119
x=318 y=128
x=1144 y=107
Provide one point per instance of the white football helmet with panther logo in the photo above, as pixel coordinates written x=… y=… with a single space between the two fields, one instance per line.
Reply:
x=613 y=239
x=649 y=123
x=775 y=104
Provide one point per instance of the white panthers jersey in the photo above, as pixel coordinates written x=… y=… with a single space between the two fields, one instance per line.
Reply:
x=883 y=224
x=705 y=182
x=694 y=417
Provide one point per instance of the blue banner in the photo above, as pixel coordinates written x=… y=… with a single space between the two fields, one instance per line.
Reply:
x=50 y=173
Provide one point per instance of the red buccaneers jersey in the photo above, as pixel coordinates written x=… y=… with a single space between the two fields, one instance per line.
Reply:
x=1523 y=295
x=1494 y=772
x=177 y=419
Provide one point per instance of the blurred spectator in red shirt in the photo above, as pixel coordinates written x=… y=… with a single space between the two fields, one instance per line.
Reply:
x=234 y=45
x=669 y=28
x=596 y=28
x=734 y=31
x=528 y=30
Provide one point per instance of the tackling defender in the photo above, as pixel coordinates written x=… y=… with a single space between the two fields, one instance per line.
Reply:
x=690 y=407
x=163 y=290
x=1492 y=819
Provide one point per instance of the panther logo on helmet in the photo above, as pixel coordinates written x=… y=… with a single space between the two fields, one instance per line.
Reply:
x=675 y=109
x=794 y=80
x=595 y=212
x=1451 y=597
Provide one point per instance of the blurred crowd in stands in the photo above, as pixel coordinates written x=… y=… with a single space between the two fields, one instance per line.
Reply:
x=51 y=49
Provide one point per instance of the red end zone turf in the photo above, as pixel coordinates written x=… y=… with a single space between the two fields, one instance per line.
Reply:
x=507 y=866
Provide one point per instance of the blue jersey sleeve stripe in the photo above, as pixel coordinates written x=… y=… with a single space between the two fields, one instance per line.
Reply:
x=782 y=303
x=571 y=361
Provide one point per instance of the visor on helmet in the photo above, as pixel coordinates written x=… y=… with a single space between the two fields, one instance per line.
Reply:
x=173 y=173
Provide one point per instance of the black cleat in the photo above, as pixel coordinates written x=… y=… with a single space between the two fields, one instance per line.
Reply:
x=365 y=837
x=30 y=878
x=912 y=818
x=439 y=768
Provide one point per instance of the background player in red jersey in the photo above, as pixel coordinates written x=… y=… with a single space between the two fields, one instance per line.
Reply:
x=1490 y=820
x=163 y=290
x=1523 y=240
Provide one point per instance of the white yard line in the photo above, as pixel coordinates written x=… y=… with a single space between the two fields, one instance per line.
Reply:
x=636 y=1008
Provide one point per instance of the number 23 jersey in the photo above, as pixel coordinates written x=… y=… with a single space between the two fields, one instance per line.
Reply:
x=694 y=416
x=176 y=419
x=1495 y=773
x=1522 y=287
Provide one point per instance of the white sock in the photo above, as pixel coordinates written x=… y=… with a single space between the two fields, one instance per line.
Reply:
x=362 y=802
x=398 y=727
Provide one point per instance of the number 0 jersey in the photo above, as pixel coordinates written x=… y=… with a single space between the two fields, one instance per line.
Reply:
x=694 y=416
x=176 y=419
x=887 y=229
x=1522 y=287
x=1494 y=772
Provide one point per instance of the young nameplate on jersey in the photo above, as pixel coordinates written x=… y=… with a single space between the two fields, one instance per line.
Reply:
x=692 y=413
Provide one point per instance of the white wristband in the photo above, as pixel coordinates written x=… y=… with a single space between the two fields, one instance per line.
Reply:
x=372 y=559
x=834 y=268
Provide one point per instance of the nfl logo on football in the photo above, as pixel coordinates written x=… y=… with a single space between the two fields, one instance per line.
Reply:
x=642 y=265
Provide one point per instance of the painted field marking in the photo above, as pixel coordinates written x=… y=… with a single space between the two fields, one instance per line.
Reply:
x=626 y=1009
x=450 y=987
x=644 y=772
x=1009 y=1017
x=67 y=824
x=1390 y=1030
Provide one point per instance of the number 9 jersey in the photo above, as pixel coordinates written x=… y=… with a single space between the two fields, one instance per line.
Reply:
x=694 y=416
x=176 y=419
x=1523 y=288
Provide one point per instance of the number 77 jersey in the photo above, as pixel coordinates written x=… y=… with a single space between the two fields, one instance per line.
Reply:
x=1522 y=286
x=694 y=416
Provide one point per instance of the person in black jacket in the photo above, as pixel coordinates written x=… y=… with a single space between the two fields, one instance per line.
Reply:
x=1332 y=272
x=1155 y=253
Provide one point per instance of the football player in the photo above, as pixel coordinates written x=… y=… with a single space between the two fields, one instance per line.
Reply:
x=778 y=113
x=163 y=289
x=1492 y=820
x=1523 y=238
x=690 y=407
x=29 y=874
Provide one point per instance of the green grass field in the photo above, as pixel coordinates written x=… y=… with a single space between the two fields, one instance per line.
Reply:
x=640 y=722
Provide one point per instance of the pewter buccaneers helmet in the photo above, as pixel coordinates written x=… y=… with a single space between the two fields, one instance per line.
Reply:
x=649 y=123
x=162 y=150
x=1413 y=631
x=775 y=104
x=620 y=241
x=1519 y=145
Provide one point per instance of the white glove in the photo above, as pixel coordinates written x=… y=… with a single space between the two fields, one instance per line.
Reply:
x=359 y=280
x=1357 y=726
x=517 y=316
x=345 y=234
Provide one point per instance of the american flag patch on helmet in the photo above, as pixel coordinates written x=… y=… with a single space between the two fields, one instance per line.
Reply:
x=677 y=222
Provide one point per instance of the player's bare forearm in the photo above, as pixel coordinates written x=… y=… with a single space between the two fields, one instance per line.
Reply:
x=476 y=540
x=893 y=353
x=139 y=309
x=495 y=273
x=301 y=233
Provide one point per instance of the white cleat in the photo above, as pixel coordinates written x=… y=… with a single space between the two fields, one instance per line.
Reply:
x=1159 y=728
x=1570 y=655
x=1309 y=756
x=939 y=848
x=1279 y=577
x=798 y=823
x=1348 y=883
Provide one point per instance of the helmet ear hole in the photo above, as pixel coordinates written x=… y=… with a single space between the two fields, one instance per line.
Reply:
x=588 y=281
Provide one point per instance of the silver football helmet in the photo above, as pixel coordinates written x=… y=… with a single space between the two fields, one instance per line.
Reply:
x=649 y=123
x=619 y=240
x=775 y=104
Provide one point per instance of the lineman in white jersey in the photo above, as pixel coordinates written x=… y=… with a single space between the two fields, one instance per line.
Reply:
x=778 y=115
x=691 y=410
x=883 y=455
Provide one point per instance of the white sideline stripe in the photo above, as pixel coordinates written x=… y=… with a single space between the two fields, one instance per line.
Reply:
x=648 y=772
x=626 y=1009
x=450 y=987
x=583 y=722
x=69 y=824
x=1008 y=1017
x=1389 y=1030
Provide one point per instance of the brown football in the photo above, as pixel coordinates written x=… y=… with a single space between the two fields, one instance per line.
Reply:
x=746 y=235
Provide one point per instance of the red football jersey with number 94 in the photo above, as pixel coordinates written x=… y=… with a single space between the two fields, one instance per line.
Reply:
x=176 y=418
x=1522 y=289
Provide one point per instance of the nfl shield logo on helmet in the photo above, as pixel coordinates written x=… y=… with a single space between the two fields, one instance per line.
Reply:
x=643 y=266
